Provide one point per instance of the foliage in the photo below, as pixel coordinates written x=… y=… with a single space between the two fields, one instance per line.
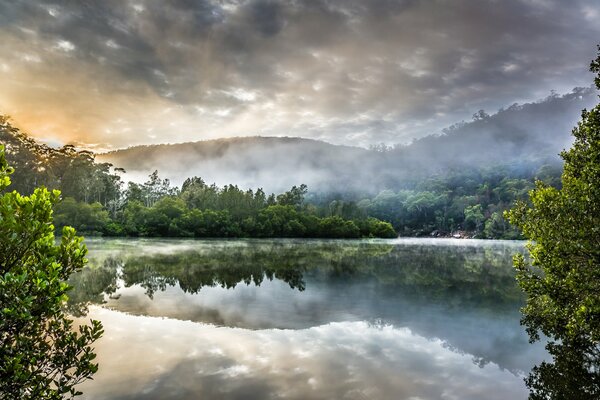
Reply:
x=84 y=217
x=74 y=173
x=471 y=200
x=199 y=210
x=293 y=197
x=41 y=355
x=463 y=199
x=563 y=279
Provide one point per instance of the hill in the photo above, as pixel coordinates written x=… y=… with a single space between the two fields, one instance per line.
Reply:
x=520 y=136
x=273 y=163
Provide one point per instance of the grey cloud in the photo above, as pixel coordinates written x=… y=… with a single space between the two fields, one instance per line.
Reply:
x=411 y=63
x=266 y=17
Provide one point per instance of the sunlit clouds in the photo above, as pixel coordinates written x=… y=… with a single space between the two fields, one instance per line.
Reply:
x=112 y=74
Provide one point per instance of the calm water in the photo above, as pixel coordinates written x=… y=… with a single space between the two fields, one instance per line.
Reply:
x=305 y=319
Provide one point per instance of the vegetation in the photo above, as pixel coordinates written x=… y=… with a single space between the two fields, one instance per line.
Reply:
x=200 y=210
x=563 y=279
x=74 y=173
x=41 y=355
x=94 y=201
x=468 y=200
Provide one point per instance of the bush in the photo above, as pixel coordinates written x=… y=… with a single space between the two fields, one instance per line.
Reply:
x=41 y=356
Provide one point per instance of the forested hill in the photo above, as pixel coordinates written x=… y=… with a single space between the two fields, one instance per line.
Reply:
x=272 y=163
x=533 y=131
x=462 y=180
x=520 y=136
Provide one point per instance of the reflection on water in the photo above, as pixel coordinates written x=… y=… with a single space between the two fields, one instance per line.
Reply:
x=306 y=319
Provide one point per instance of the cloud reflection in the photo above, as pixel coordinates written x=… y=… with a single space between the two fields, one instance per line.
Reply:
x=153 y=358
x=462 y=292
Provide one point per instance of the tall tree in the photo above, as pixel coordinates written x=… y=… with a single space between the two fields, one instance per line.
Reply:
x=563 y=278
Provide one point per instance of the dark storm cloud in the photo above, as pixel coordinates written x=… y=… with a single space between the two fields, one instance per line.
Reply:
x=349 y=71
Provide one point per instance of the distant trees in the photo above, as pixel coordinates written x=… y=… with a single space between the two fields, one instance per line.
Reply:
x=209 y=211
x=41 y=355
x=95 y=201
x=293 y=197
x=201 y=210
x=89 y=218
x=462 y=200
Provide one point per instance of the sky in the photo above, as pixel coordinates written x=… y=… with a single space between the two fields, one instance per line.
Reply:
x=112 y=74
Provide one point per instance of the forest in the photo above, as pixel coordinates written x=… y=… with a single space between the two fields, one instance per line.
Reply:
x=95 y=201
x=469 y=201
x=464 y=202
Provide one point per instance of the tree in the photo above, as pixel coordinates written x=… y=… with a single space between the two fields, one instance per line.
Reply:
x=41 y=355
x=474 y=217
x=90 y=218
x=293 y=197
x=562 y=280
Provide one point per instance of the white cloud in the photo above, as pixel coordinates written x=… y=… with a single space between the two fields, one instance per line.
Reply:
x=64 y=45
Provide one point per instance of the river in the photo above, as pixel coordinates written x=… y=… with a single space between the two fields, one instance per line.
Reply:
x=305 y=319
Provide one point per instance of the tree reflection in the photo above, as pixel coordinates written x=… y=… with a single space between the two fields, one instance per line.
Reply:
x=456 y=276
x=436 y=291
x=91 y=285
x=193 y=270
x=573 y=374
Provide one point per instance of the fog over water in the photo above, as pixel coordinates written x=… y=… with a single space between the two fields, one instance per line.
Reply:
x=410 y=117
x=306 y=319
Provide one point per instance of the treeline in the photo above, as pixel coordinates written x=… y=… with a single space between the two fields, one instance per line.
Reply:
x=94 y=201
x=465 y=202
x=201 y=210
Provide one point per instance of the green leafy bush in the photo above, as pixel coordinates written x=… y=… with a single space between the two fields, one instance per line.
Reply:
x=42 y=356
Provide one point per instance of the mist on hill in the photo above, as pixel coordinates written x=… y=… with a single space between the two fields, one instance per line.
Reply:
x=517 y=136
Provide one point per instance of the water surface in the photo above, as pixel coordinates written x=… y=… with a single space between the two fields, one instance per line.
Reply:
x=306 y=319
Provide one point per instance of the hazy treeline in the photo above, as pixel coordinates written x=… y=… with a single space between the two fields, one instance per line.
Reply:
x=533 y=132
x=462 y=179
x=94 y=201
x=469 y=200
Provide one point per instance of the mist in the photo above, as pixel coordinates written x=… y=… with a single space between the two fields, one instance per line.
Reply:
x=520 y=136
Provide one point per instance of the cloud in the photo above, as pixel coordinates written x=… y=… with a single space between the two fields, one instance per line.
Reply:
x=335 y=70
x=156 y=358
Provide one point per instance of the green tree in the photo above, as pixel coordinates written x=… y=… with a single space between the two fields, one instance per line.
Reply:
x=474 y=217
x=42 y=356
x=88 y=218
x=293 y=197
x=563 y=278
x=338 y=228
x=280 y=221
